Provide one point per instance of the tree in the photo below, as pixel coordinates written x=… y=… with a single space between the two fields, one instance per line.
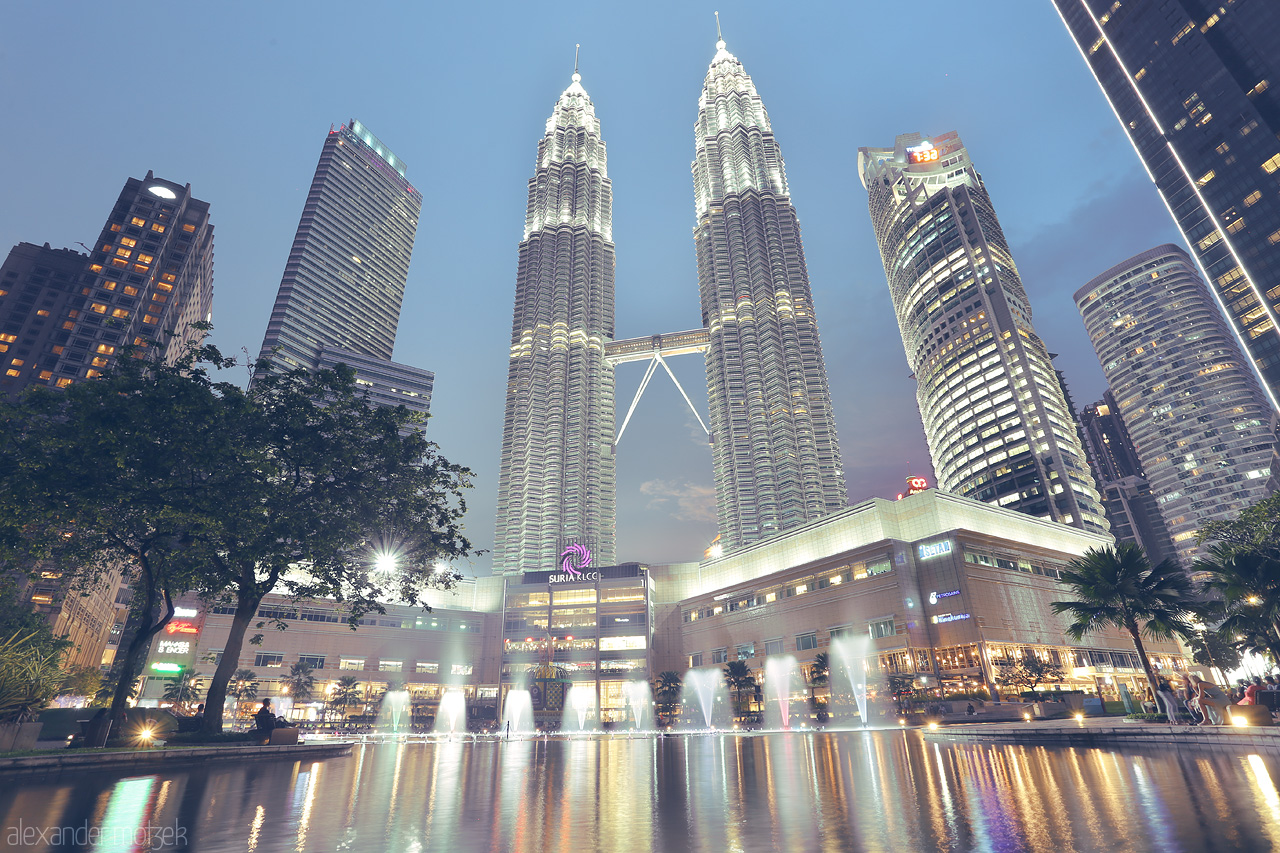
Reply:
x=18 y=618
x=29 y=677
x=300 y=681
x=738 y=677
x=1212 y=649
x=81 y=681
x=345 y=694
x=184 y=690
x=243 y=685
x=667 y=688
x=1119 y=588
x=1029 y=673
x=1246 y=583
x=1256 y=529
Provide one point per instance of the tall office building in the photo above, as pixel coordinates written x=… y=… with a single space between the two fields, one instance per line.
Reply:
x=345 y=277
x=775 y=451
x=556 y=486
x=1194 y=84
x=339 y=300
x=995 y=416
x=1199 y=420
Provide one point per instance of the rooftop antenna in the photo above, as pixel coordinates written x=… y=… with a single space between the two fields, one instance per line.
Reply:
x=719 y=37
x=576 y=48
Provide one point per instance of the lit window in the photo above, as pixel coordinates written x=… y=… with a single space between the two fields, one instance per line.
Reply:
x=141 y=267
x=13 y=372
x=390 y=665
x=130 y=290
x=137 y=221
x=8 y=338
x=351 y=663
x=123 y=252
x=427 y=667
x=119 y=262
x=99 y=361
x=106 y=285
x=1236 y=226
x=57 y=350
x=1252 y=198
x=158 y=228
x=159 y=297
x=46 y=374
x=128 y=241
x=106 y=349
x=1205 y=178
x=18 y=362
x=98 y=308
x=69 y=324
x=1274 y=238
x=1271 y=165
x=92 y=374
x=610 y=644
x=96 y=267
x=146 y=259
x=189 y=228
x=120 y=313
x=115 y=226
x=42 y=313
x=460 y=669
x=160 y=285
x=151 y=319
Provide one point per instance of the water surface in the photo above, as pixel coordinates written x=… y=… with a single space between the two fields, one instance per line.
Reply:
x=846 y=791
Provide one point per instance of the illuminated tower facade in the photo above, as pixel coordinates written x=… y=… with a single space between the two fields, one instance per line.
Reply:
x=995 y=416
x=1196 y=86
x=556 y=486
x=1183 y=388
x=775 y=452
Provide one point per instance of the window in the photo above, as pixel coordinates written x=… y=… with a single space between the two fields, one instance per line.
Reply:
x=746 y=651
x=427 y=667
x=613 y=644
x=351 y=663
x=313 y=661
x=720 y=656
x=390 y=665
x=461 y=669
x=772 y=647
x=695 y=660
x=882 y=628
x=137 y=221
x=157 y=227
x=804 y=642
x=268 y=659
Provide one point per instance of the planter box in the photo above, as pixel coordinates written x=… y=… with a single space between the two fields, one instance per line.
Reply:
x=17 y=737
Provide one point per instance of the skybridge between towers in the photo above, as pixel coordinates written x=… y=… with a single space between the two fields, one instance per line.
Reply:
x=656 y=349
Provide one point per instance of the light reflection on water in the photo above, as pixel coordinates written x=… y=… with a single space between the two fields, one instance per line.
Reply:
x=874 y=791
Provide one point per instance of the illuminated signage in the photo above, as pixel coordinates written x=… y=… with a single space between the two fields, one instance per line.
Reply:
x=934 y=596
x=173 y=647
x=576 y=576
x=575 y=558
x=922 y=153
x=166 y=667
x=934 y=549
x=185 y=612
x=943 y=618
x=181 y=628
x=916 y=485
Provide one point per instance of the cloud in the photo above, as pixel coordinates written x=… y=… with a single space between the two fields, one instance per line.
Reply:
x=687 y=501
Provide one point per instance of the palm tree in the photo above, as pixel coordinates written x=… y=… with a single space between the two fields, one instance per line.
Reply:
x=1119 y=588
x=738 y=677
x=666 y=689
x=1247 y=584
x=243 y=685
x=300 y=681
x=184 y=689
x=346 y=693
x=819 y=676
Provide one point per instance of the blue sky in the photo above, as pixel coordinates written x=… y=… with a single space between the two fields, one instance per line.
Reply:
x=236 y=98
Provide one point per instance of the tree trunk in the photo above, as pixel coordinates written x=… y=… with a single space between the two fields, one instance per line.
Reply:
x=216 y=699
x=131 y=665
x=1152 y=680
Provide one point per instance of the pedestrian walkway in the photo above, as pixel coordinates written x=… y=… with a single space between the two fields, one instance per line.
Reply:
x=1115 y=731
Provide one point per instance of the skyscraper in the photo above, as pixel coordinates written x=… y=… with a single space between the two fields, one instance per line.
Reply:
x=995 y=416
x=775 y=452
x=345 y=277
x=1194 y=85
x=1198 y=419
x=556 y=486
x=40 y=287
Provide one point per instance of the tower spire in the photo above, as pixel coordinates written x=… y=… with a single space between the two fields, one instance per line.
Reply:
x=576 y=48
x=719 y=37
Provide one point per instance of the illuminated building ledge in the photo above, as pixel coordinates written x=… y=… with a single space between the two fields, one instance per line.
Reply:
x=913 y=518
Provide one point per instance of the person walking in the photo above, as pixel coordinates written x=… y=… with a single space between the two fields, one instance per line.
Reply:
x=1168 y=701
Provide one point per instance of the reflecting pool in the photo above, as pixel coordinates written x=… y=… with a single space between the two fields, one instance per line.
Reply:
x=839 y=791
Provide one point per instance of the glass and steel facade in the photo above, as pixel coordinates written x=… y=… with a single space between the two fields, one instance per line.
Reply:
x=1199 y=421
x=775 y=451
x=387 y=383
x=1194 y=85
x=556 y=485
x=344 y=280
x=995 y=415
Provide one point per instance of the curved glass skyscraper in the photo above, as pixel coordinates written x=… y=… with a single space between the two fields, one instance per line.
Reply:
x=995 y=415
x=774 y=446
x=1198 y=418
x=557 y=484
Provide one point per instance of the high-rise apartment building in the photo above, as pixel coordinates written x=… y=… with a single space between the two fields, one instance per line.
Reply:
x=1126 y=494
x=1199 y=421
x=40 y=287
x=1196 y=86
x=148 y=278
x=344 y=281
x=775 y=452
x=556 y=486
x=995 y=416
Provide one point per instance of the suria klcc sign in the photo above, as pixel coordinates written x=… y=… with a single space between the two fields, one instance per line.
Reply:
x=575 y=562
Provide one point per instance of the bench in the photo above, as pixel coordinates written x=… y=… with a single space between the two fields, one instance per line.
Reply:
x=1254 y=715
x=283 y=737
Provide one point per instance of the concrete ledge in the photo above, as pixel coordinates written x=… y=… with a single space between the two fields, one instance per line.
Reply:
x=1099 y=733
x=150 y=760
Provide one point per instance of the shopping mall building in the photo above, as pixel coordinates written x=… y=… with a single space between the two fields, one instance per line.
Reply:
x=947 y=590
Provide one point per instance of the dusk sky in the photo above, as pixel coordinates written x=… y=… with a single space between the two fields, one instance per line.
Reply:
x=236 y=98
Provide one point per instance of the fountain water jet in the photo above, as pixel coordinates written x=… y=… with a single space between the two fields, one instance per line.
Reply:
x=851 y=659
x=703 y=689
x=640 y=703
x=780 y=681
x=392 y=712
x=579 y=704
x=453 y=708
x=517 y=713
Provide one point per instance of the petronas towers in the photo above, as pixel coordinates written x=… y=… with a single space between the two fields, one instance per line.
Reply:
x=775 y=454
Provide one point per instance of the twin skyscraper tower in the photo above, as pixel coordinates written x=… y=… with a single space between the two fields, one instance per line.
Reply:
x=775 y=452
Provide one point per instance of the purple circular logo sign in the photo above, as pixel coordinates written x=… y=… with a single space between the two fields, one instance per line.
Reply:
x=575 y=558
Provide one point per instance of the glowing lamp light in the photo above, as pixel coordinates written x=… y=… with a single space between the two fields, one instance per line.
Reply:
x=162 y=192
x=1241 y=722
x=902 y=722
x=933 y=727
x=146 y=734
x=1079 y=718
x=166 y=667
x=1026 y=717
x=385 y=562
